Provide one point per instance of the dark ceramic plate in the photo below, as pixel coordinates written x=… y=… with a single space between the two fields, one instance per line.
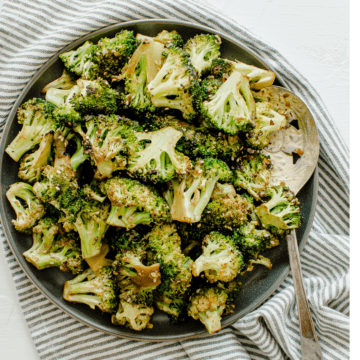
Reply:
x=258 y=285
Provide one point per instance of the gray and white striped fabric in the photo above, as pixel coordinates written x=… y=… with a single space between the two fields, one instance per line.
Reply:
x=30 y=33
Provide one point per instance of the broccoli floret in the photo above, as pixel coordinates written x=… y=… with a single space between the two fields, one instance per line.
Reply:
x=167 y=38
x=222 y=190
x=176 y=86
x=28 y=208
x=261 y=260
x=267 y=121
x=81 y=61
x=65 y=82
x=134 y=203
x=36 y=118
x=122 y=240
x=259 y=78
x=112 y=54
x=253 y=174
x=281 y=212
x=90 y=192
x=208 y=305
x=171 y=294
x=140 y=70
x=155 y=158
x=251 y=241
x=232 y=290
x=232 y=108
x=228 y=213
x=52 y=250
x=221 y=260
x=134 y=316
x=94 y=97
x=106 y=140
x=202 y=50
x=95 y=290
x=32 y=164
x=197 y=142
x=91 y=225
x=190 y=196
x=59 y=186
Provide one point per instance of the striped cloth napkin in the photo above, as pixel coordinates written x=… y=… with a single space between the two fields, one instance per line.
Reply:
x=32 y=32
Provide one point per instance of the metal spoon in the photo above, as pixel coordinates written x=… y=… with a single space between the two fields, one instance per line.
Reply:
x=305 y=142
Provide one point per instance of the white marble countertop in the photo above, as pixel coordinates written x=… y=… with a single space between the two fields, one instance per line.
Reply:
x=312 y=34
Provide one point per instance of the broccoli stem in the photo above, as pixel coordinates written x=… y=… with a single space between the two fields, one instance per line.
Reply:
x=127 y=217
x=211 y=320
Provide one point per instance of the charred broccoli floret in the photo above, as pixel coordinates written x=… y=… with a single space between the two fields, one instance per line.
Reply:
x=176 y=86
x=134 y=203
x=253 y=174
x=65 y=82
x=208 y=305
x=220 y=260
x=221 y=68
x=81 y=61
x=228 y=212
x=167 y=38
x=232 y=290
x=189 y=197
x=91 y=226
x=112 y=54
x=171 y=294
x=232 y=107
x=196 y=141
x=106 y=140
x=251 y=241
x=36 y=118
x=32 y=164
x=95 y=290
x=134 y=316
x=267 y=121
x=259 y=78
x=155 y=158
x=94 y=97
x=209 y=86
x=51 y=249
x=202 y=50
x=28 y=208
x=140 y=70
x=223 y=190
x=281 y=212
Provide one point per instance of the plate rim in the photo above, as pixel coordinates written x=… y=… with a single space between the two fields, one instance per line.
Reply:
x=6 y=224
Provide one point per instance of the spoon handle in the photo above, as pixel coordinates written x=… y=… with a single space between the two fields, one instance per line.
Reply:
x=310 y=346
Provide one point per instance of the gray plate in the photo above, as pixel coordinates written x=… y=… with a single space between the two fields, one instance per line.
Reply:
x=257 y=285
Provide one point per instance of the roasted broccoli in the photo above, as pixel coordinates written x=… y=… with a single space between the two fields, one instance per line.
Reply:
x=81 y=61
x=222 y=190
x=220 y=260
x=176 y=86
x=65 y=82
x=171 y=294
x=79 y=156
x=232 y=290
x=202 y=50
x=167 y=38
x=232 y=107
x=253 y=174
x=28 y=208
x=140 y=70
x=52 y=249
x=91 y=225
x=31 y=165
x=134 y=203
x=155 y=158
x=112 y=54
x=259 y=78
x=196 y=141
x=95 y=290
x=189 y=197
x=281 y=211
x=267 y=121
x=208 y=305
x=36 y=118
x=106 y=140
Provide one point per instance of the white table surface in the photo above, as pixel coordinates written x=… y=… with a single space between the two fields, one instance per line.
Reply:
x=312 y=34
